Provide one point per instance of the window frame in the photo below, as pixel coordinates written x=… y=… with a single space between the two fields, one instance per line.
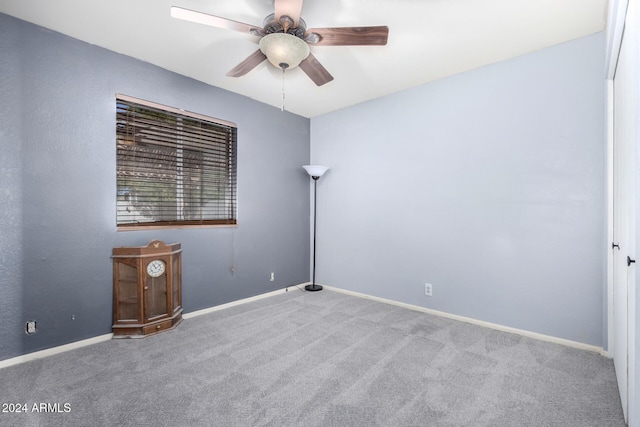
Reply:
x=228 y=170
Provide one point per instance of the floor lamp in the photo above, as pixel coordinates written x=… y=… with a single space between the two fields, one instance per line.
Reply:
x=314 y=172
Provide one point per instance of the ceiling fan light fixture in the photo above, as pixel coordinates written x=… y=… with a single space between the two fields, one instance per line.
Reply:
x=284 y=50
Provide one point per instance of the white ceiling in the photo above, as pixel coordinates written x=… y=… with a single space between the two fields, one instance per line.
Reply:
x=428 y=40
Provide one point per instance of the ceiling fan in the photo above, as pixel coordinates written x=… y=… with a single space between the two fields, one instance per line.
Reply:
x=285 y=39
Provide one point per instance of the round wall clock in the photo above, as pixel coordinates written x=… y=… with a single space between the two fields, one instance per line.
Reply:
x=155 y=268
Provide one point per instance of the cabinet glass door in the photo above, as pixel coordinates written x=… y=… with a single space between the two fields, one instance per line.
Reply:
x=127 y=307
x=156 y=296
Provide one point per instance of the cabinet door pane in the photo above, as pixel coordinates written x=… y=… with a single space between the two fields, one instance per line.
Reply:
x=156 y=296
x=127 y=292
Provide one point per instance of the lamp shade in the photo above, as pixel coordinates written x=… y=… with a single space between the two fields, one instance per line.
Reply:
x=315 y=170
x=284 y=50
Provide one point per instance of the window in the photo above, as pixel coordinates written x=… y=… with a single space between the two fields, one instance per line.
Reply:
x=173 y=167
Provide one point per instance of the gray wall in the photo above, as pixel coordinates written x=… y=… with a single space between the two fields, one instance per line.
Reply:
x=490 y=185
x=57 y=216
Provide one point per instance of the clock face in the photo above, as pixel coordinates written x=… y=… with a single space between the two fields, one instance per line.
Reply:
x=155 y=268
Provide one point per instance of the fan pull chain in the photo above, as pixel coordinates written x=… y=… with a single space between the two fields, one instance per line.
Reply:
x=284 y=67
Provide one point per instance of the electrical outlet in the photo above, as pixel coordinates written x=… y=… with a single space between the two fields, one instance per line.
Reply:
x=273 y=277
x=30 y=327
x=428 y=289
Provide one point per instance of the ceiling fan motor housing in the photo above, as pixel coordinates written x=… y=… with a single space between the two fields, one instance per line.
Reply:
x=284 y=25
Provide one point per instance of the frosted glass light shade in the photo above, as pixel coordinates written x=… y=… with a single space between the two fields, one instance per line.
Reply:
x=315 y=170
x=282 y=48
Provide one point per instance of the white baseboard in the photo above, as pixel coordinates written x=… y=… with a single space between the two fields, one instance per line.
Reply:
x=90 y=341
x=78 y=344
x=535 y=335
x=235 y=303
x=55 y=350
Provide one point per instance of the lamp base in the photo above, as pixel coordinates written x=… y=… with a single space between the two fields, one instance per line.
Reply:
x=313 y=288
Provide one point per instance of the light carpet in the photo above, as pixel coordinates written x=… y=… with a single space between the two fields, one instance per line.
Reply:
x=317 y=359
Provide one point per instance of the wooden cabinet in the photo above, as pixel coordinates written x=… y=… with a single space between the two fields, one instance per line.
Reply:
x=147 y=289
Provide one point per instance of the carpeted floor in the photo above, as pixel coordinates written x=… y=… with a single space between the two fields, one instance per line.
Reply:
x=317 y=359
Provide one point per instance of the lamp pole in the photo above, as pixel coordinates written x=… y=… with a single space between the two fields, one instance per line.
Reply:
x=315 y=172
x=313 y=287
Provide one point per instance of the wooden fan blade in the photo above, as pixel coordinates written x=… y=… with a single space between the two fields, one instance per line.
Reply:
x=290 y=8
x=248 y=64
x=314 y=69
x=348 y=36
x=213 y=21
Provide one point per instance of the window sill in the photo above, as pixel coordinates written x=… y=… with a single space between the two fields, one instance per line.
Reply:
x=172 y=227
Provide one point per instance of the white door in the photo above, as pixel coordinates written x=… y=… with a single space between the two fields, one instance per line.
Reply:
x=621 y=241
x=625 y=112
